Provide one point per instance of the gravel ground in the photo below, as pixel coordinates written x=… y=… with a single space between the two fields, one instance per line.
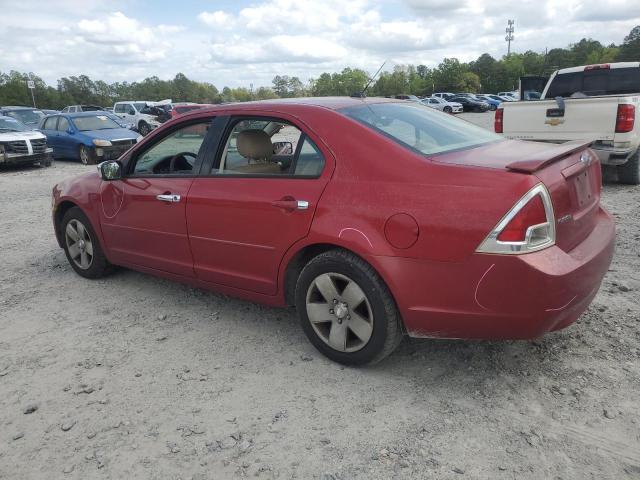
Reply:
x=137 y=377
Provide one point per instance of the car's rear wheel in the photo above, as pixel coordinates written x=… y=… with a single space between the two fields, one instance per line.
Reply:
x=85 y=156
x=346 y=310
x=629 y=172
x=81 y=245
x=144 y=129
x=447 y=109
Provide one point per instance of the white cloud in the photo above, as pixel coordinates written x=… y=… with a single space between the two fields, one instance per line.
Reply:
x=253 y=40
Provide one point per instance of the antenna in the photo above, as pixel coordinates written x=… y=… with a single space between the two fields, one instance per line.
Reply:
x=364 y=90
x=509 y=37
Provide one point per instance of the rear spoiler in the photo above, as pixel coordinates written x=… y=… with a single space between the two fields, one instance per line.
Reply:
x=540 y=160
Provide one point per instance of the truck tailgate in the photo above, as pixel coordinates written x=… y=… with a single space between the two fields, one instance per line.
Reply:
x=591 y=118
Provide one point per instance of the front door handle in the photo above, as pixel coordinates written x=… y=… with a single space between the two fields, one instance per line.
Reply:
x=290 y=204
x=168 y=197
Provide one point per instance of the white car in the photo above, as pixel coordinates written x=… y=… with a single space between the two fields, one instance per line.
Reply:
x=443 y=95
x=514 y=96
x=141 y=114
x=442 y=105
x=21 y=146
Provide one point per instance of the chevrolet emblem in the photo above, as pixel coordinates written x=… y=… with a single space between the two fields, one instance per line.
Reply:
x=554 y=121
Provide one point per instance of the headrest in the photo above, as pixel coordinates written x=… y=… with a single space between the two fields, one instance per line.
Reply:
x=254 y=144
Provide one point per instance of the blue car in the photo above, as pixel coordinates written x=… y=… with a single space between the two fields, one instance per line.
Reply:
x=493 y=102
x=90 y=137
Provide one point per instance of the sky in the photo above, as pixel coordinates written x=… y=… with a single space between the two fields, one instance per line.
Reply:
x=239 y=43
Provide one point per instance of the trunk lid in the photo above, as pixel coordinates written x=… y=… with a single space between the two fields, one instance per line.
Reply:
x=571 y=172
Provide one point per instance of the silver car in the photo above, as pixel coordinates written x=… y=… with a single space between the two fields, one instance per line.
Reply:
x=442 y=105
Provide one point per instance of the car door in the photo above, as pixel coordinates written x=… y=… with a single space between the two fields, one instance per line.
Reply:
x=143 y=214
x=68 y=143
x=245 y=213
x=49 y=129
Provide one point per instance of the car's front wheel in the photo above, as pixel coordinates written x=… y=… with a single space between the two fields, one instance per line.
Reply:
x=447 y=109
x=346 y=310
x=81 y=245
x=493 y=108
x=85 y=155
x=144 y=129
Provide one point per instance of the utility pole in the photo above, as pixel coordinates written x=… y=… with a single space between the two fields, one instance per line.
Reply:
x=509 y=37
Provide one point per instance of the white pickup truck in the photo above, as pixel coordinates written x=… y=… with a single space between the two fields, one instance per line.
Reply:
x=594 y=102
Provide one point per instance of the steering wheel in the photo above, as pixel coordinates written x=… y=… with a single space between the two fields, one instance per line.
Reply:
x=172 y=162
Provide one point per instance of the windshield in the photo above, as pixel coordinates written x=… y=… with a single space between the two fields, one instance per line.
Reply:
x=420 y=128
x=99 y=122
x=26 y=116
x=602 y=81
x=11 y=125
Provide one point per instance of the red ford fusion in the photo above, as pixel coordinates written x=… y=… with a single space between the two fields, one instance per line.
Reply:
x=376 y=218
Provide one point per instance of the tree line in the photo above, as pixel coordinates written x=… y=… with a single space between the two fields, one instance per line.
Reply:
x=485 y=74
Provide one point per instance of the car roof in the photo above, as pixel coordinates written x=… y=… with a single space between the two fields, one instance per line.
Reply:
x=331 y=103
x=17 y=107
x=93 y=113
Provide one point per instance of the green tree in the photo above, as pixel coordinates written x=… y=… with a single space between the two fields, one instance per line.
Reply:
x=630 y=48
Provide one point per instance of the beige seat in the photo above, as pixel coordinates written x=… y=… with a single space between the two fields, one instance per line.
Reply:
x=255 y=145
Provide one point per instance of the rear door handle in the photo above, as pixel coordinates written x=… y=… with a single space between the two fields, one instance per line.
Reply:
x=168 y=197
x=289 y=204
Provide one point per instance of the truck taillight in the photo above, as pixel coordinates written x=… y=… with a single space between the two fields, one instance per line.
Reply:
x=498 y=122
x=527 y=227
x=625 y=118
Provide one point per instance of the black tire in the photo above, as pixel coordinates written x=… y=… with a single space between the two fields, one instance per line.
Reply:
x=493 y=108
x=447 y=109
x=387 y=332
x=144 y=129
x=629 y=172
x=86 y=157
x=99 y=266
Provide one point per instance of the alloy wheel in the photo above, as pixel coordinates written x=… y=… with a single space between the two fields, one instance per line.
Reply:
x=84 y=155
x=79 y=244
x=339 y=312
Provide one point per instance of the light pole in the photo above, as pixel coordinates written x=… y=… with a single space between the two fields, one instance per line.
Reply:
x=509 y=37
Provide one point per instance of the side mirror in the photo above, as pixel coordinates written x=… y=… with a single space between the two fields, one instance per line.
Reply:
x=110 y=170
x=70 y=131
x=282 y=148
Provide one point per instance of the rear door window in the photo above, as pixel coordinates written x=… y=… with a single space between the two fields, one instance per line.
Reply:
x=50 y=123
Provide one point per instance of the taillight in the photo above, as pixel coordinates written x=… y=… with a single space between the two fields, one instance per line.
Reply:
x=602 y=66
x=527 y=227
x=498 y=120
x=625 y=118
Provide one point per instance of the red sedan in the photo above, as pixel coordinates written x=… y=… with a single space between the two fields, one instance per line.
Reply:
x=376 y=218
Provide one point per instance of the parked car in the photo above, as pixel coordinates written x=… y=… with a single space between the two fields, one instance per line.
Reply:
x=470 y=104
x=456 y=237
x=594 y=102
x=146 y=116
x=443 y=95
x=90 y=137
x=26 y=115
x=19 y=145
x=411 y=98
x=50 y=112
x=514 y=95
x=493 y=103
x=442 y=105
x=81 y=108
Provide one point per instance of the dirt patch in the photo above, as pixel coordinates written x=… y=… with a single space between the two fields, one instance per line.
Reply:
x=136 y=377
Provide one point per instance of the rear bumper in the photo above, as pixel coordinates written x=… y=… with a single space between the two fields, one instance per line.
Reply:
x=612 y=156
x=501 y=296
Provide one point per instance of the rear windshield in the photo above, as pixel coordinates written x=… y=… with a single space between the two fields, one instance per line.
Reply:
x=420 y=128
x=99 y=122
x=26 y=116
x=604 y=81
